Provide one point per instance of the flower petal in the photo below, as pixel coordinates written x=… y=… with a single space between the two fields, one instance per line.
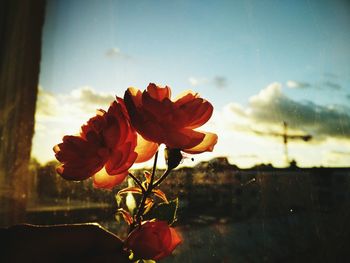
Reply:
x=121 y=159
x=145 y=149
x=183 y=139
x=158 y=119
x=150 y=240
x=80 y=171
x=158 y=93
x=133 y=103
x=207 y=144
x=80 y=158
x=72 y=148
x=185 y=97
x=153 y=131
x=94 y=125
x=135 y=94
x=198 y=111
x=175 y=241
x=153 y=106
x=103 y=180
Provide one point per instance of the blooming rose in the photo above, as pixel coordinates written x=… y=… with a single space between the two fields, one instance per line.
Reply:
x=159 y=119
x=152 y=240
x=104 y=149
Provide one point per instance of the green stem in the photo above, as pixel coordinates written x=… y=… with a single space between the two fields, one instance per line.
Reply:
x=153 y=170
x=147 y=192
x=162 y=178
x=137 y=181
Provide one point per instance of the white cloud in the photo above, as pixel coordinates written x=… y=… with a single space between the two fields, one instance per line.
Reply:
x=113 y=52
x=336 y=157
x=116 y=53
x=218 y=82
x=194 y=82
x=46 y=105
x=79 y=102
x=243 y=130
x=325 y=85
x=297 y=84
x=87 y=97
x=331 y=85
x=271 y=107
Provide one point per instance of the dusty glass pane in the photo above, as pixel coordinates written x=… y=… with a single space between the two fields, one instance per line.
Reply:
x=276 y=186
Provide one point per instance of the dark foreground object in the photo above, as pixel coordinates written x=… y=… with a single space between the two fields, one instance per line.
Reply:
x=61 y=243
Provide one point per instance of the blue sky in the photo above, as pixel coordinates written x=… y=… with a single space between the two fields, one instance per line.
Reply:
x=228 y=51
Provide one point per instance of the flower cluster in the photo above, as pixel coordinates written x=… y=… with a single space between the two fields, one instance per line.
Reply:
x=130 y=131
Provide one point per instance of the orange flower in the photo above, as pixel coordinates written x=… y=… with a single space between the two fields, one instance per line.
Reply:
x=152 y=240
x=104 y=149
x=161 y=120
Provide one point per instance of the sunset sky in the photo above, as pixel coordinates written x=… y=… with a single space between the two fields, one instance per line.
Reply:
x=259 y=62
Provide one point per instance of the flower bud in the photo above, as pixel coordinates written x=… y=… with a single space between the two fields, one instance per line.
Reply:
x=173 y=157
x=152 y=240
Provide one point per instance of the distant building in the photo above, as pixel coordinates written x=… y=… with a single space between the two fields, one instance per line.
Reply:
x=261 y=191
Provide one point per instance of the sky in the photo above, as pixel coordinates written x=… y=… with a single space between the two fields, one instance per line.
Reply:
x=259 y=63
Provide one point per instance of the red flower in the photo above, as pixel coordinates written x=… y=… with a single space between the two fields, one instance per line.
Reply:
x=152 y=240
x=105 y=149
x=161 y=120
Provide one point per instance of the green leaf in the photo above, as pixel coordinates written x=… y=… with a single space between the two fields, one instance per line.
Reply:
x=147 y=176
x=164 y=211
x=148 y=205
x=160 y=194
x=126 y=215
x=132 y=189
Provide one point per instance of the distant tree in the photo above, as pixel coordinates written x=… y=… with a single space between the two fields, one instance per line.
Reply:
x=47 y=180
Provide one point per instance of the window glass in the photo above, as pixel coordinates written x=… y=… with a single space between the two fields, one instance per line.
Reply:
x=276 y=186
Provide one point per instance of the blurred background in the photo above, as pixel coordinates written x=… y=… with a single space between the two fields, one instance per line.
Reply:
x=276 y=186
